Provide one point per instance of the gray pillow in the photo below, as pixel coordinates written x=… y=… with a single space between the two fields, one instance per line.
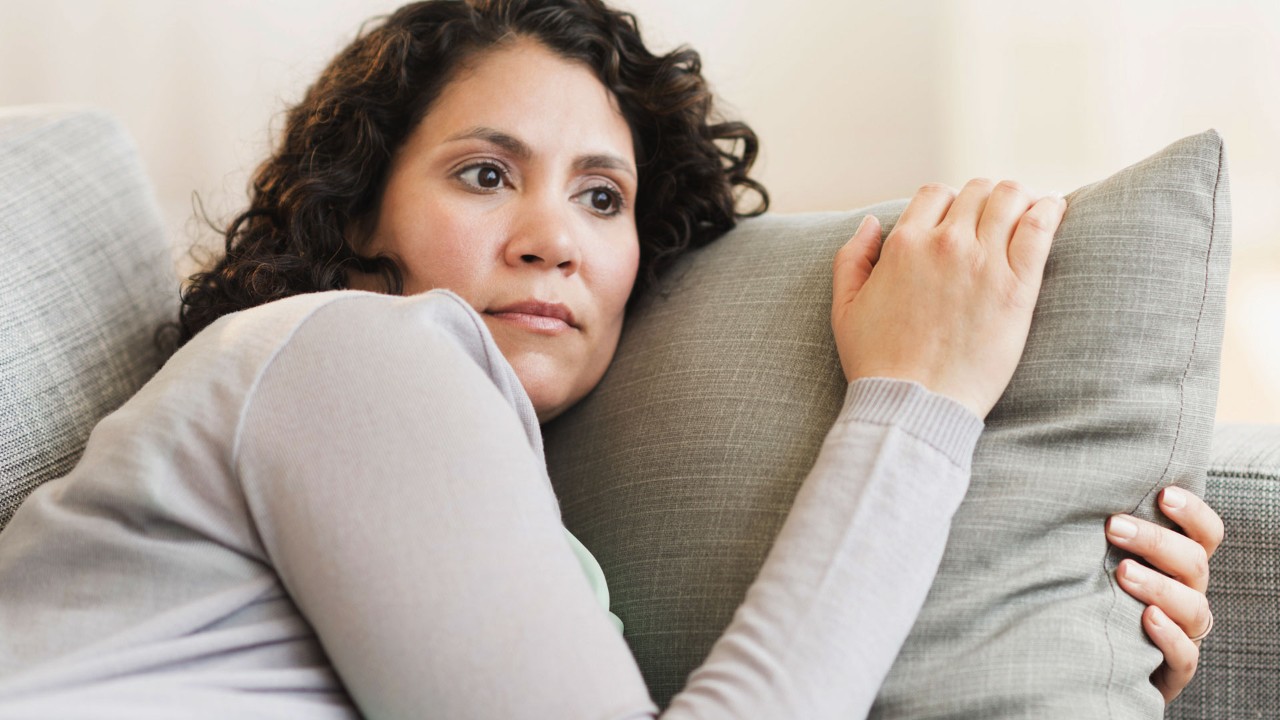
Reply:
x=678 y=470
x=87 y=281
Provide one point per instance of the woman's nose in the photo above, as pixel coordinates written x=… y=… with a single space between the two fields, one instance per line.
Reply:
x=543 y=237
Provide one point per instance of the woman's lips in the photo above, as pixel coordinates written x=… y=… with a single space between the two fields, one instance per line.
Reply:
x=540 y=316
x=535 y=323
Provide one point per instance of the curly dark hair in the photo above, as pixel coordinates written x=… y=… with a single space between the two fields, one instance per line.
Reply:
x=331 y=164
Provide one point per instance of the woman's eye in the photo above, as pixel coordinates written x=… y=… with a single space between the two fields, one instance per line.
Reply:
x=485 y=177
x=603 y=200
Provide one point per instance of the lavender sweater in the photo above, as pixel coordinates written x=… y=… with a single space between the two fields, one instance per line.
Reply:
x=336 y=505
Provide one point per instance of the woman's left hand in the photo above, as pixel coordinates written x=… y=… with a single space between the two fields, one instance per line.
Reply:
x=1177 y=609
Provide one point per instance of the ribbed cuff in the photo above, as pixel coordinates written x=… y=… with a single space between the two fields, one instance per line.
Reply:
x=943 y=423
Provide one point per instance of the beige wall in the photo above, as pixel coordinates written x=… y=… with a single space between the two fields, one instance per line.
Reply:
x=855 y=102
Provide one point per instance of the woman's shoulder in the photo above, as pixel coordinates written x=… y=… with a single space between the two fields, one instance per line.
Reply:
x=223 y=363
x=261 y=331
x=332 y=338
x=346 y=324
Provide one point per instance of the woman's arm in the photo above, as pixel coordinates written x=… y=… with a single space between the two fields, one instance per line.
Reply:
x=399 y=496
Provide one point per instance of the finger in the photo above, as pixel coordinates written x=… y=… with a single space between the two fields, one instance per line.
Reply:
x=1194 y=516
x=1009 y=201
x=969 y=204
x=1174 y=553
x=1188 y=608
x=1181 y=656
x=854 y=262
x=1029 y=249
x=926 y=209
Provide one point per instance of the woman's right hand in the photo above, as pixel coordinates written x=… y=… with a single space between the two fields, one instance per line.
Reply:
x=947 y=301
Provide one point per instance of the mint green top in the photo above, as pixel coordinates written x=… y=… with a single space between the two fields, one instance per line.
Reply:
x=595 y=576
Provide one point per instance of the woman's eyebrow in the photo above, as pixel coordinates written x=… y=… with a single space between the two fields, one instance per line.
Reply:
x=510 y=143
x=522 y=151
x=603 y=162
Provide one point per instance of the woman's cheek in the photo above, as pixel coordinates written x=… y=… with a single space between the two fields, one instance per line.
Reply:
x=453 y=250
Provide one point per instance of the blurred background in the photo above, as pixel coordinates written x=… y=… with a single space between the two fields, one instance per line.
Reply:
x=855 y=102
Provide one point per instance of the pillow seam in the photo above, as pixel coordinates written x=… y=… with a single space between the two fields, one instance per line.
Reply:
x=1182 y=403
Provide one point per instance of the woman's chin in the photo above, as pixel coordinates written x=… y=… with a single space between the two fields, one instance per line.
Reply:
x=555 y=372
x=548 y=404
x=549 y=387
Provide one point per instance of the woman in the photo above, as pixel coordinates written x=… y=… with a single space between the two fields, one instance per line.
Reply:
x=335 y=502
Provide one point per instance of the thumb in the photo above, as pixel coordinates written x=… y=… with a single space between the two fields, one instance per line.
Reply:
x=854 y=262
x=1029 y=248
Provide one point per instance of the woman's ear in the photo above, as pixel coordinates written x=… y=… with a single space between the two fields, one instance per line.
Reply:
x=359 y=237
x=359 y=232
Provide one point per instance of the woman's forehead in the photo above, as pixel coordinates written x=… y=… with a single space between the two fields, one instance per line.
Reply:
x=527 y=92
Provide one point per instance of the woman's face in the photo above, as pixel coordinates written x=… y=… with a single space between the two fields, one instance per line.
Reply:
x=517 y=192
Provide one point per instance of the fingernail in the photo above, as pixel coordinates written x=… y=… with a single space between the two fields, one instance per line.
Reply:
x=1122 y=528
x=1133 y=572
x=861 y=225
x=1173 y=498
x=1158 y=618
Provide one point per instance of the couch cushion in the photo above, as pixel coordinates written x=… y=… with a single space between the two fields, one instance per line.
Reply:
x=681 y=466
x=87 y=282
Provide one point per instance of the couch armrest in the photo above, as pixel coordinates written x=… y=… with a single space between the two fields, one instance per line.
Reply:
x=86 y=281
x=1240 y=661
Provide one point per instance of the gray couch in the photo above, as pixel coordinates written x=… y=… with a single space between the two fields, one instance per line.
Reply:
x=87 y=283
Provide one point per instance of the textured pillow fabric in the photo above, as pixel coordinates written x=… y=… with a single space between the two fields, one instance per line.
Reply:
x=87 y=282
x=679 y=469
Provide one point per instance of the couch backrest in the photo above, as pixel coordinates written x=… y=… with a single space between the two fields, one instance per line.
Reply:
x=87 y=281
x=1239 y=674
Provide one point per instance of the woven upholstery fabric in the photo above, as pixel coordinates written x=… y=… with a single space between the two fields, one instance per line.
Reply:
x=680 y=467
x=1239 y=675
x=87 y=282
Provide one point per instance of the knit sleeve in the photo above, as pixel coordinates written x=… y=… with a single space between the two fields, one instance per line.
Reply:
x=389 y=470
